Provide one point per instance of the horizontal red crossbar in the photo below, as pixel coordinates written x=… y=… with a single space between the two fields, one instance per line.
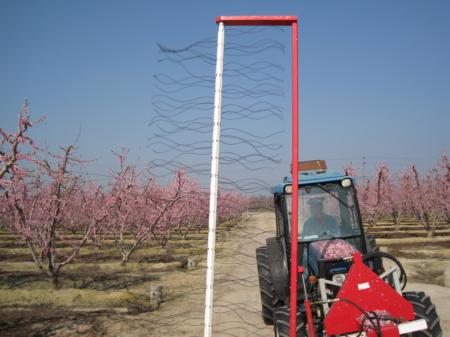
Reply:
x=277 y=20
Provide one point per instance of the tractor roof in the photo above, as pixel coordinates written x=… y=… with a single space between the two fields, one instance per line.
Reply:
x=311 y=177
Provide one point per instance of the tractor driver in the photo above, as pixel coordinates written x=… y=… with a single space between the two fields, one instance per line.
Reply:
x=319 y=223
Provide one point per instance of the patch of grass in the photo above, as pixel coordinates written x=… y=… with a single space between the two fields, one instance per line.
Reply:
x=393 y=234
x=75 y=298
x=15 y=251
x=176 y=240
x=172 y=248
x=109 y=268
x=414 y=241
x=426 y=252
x=82 y=280
x=90 y=254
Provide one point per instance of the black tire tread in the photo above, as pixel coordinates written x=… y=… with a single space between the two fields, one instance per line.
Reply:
x=278 y=267
x=281 y=316
x=424 y=309
x=371 y=244
x=265 y=285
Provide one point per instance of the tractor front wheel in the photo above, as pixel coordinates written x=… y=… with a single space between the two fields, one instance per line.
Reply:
x=426 y=310
x=281 y=326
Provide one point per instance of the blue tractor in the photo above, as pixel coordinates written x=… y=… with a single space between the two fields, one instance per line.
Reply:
x=330 y=232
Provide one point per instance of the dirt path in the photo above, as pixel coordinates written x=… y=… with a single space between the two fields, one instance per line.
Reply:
x=237 y=301
x=236 y=293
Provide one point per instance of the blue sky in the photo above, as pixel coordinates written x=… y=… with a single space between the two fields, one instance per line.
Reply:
x=375 y=75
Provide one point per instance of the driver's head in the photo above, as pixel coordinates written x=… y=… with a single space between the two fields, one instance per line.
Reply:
x=316 y=207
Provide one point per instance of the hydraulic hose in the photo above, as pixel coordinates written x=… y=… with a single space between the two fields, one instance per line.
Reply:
x=403 y=279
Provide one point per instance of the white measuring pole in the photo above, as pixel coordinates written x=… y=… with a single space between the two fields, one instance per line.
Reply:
x=209 y=294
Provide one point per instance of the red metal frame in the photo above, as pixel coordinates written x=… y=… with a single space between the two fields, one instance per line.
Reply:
x=272 y=20
x=295 y=269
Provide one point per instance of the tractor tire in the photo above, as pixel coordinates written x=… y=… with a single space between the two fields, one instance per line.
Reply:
x=426 y=310
x=281 y=326
x=278 y=265
x=371 y=244
x=376 y=264
x=265 y=285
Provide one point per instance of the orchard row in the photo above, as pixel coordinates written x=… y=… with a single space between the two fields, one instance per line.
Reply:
x=43 y=201
x=407 y=195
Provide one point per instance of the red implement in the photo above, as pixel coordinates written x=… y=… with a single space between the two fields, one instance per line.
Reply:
x=364 y=289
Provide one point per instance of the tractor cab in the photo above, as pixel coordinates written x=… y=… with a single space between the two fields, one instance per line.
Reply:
x=329 y=220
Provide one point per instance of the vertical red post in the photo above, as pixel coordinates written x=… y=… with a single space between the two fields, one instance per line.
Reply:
x=294 y=207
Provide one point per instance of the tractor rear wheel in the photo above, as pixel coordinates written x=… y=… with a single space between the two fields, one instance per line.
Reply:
x=376 y=263
x=265 y=285
x=371 y=244
x=281 y=326
x=426 y=310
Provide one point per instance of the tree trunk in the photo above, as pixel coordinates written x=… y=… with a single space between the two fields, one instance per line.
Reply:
x=55 y=279
x=125 y=258
x=164 y=241
x=127 y=254
x=396 y=219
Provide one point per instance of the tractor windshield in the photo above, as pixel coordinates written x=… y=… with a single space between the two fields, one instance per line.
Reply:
x=325 y=210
